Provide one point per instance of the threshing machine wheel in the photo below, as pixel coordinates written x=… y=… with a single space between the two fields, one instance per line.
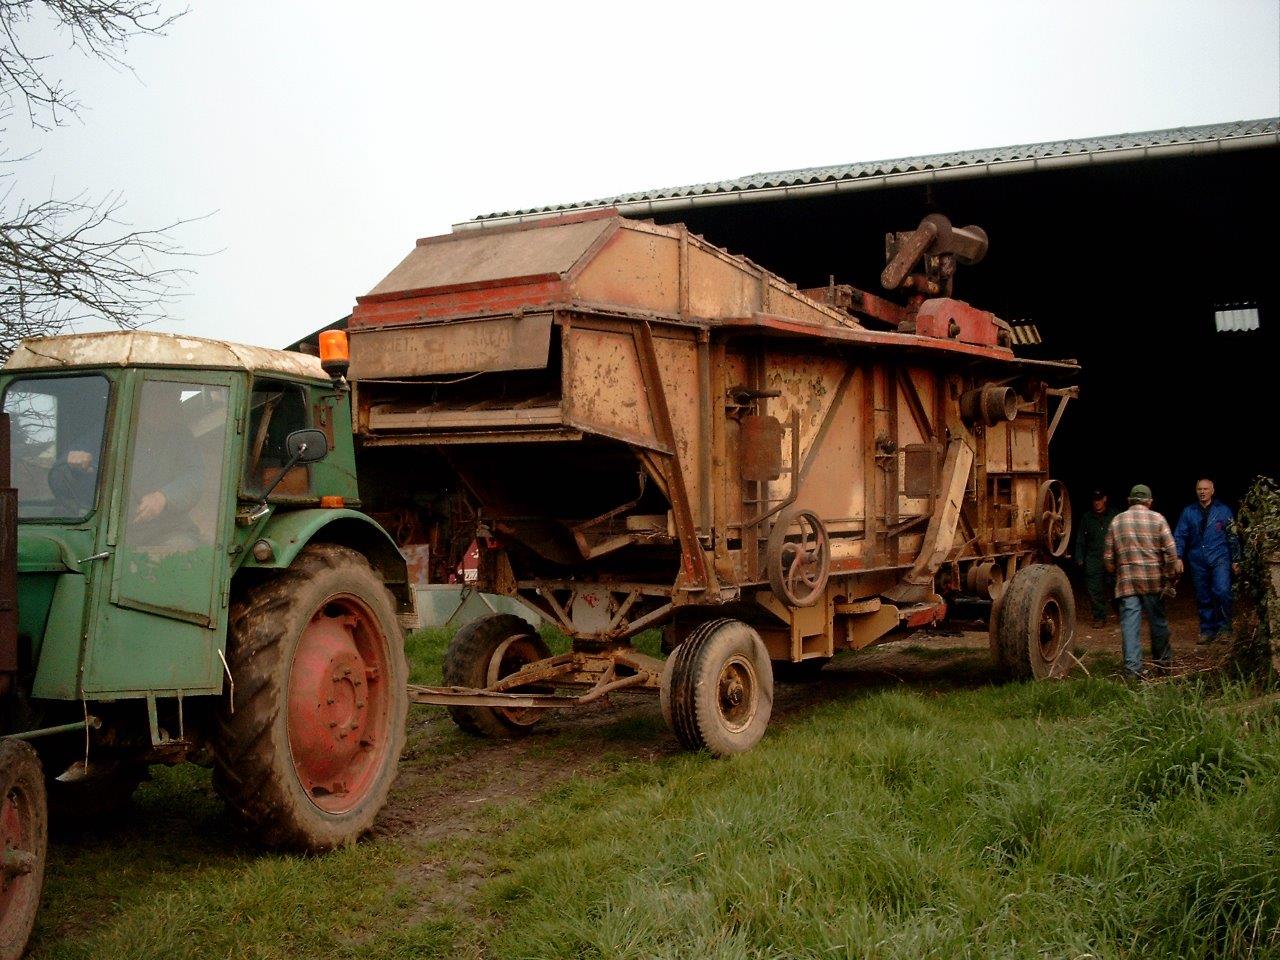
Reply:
x=24 y=836
x=717 y=688
x=1054 y=517
x=1003 y=667
x=481 y=654
x=1035 y=624
x=798 y=557
x=309 y=738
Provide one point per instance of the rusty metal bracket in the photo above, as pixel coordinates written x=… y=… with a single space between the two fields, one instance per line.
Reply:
x=504 y=694
x=1064 y=395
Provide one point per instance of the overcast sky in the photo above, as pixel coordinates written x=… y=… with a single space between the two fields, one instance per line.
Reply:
x=323 y=139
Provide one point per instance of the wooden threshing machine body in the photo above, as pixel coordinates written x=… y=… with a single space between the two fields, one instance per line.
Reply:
x=649 y=429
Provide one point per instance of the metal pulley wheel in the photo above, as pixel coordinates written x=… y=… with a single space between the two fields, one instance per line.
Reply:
x=1054 y=513
x=798 y=557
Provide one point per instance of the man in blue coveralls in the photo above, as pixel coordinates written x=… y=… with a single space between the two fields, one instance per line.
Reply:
x=1207 y=544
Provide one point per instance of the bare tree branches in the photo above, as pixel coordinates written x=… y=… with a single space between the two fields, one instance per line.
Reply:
x=62 y=261
x=101 y=29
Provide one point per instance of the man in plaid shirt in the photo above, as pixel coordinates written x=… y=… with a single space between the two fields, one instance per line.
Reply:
x=1140 y=550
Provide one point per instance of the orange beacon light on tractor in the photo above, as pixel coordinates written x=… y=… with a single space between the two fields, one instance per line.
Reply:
x=335 y=355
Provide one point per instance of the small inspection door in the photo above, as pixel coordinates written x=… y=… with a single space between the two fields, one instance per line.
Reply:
x=172 y=513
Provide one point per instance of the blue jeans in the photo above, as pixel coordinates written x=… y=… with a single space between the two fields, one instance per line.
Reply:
x=1132 y=609
x=1212 y=579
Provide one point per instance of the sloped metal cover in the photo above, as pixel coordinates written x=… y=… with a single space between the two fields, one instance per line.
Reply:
x=147 y=349
x=477 y=258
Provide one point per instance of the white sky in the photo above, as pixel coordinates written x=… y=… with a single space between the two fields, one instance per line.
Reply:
x=323 y=139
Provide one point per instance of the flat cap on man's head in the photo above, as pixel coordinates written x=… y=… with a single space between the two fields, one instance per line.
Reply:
x=1140 y=493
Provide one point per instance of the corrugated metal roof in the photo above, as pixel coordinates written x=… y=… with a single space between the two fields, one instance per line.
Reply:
x=1242 y=133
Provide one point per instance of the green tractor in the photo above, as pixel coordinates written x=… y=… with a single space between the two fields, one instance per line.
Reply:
x=185 y=575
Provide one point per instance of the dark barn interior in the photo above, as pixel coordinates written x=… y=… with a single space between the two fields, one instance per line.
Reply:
x=1120 y=265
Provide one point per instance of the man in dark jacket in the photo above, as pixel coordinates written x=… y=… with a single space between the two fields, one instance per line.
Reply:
x=1090 y=539
x=1208 y=545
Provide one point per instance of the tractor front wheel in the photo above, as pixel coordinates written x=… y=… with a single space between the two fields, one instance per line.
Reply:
x=310 y=735
x=24 y=837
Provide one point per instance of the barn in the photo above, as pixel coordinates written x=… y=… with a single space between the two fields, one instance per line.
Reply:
x=1145 y=256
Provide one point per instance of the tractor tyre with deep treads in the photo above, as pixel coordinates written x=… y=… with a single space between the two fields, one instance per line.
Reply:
x=717 y=688
x=1036 y=624
x=309 y=737
x=24 y=838
x=483 y=651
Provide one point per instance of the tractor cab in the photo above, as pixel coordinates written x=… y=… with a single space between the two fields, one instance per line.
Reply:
x=148 y=469
x=193 y=582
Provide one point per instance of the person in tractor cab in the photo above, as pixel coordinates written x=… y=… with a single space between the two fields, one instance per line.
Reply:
x=81 y=416
x=1140 y=551
x=167 y=468
x=1208 y=545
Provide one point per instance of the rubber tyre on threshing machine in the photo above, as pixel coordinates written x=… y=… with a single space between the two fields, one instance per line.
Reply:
x=24 y=838
x=308 y=741
x=1034 y=624
x=482 y=653
x=717 y=688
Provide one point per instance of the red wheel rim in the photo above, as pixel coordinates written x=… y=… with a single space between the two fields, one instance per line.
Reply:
x=339 y=727
x=18 y=857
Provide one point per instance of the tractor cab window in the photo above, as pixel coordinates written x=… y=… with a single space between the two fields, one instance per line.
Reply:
x=276 y=409
x=57 y=431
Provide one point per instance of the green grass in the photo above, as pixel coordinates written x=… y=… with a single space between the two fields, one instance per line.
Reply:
x=1076 y=819
x=1061 y=820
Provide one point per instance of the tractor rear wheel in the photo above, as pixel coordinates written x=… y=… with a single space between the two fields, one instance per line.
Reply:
x=717 y=688
x=1035 y=624
x=24 y=837
x=309 y=739
x=482 y=653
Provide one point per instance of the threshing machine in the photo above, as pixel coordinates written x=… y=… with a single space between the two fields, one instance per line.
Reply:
x=644 y=430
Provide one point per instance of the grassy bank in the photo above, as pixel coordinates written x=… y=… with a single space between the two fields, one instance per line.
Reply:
x=1068 y=820
x=1064 y=820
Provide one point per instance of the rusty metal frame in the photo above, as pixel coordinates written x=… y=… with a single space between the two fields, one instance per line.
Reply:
x=696 y=576
x=566 y=669
x=618 y=628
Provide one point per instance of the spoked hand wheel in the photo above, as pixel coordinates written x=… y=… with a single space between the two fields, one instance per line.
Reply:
x=1054 y=523
x=798 y=558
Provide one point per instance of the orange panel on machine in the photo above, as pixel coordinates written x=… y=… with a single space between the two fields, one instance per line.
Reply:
x=971 y=325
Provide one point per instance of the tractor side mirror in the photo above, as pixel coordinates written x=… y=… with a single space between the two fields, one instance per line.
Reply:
x=306 y=446
x=303 y=446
